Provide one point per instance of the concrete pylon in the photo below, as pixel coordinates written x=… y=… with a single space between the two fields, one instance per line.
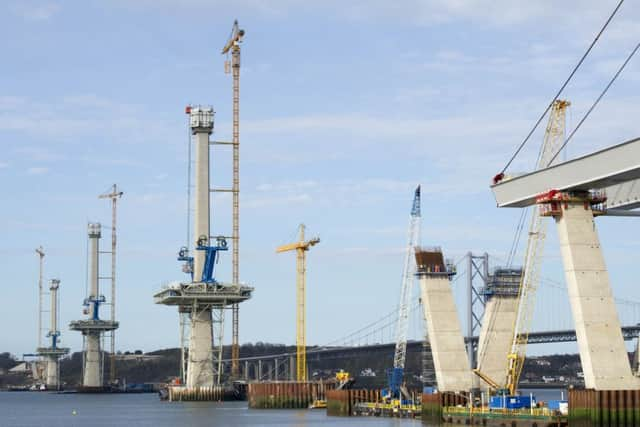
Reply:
x=602 y=350
x=92 y=365
x=92 y=328
x=450 y=358
x=52 y=362
x=200 y=362
x=496 y=335
x=53 y=353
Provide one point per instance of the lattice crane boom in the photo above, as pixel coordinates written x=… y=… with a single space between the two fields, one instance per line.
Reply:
x=233 y=46
x=553 y=138
x=301 y=247
x=408 y=273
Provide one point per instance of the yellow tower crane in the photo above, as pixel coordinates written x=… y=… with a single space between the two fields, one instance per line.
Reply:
x=301 y=247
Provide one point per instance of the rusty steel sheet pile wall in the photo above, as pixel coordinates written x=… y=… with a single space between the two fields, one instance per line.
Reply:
x=342 y=402
x=285 y=395
x=599 y=408
x=200 y=394
x=432 y=404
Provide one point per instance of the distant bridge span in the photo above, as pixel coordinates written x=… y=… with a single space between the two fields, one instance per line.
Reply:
x=547 y=337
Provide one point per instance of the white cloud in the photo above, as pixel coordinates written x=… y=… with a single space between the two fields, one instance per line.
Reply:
x=37 y=171
x=36 y=11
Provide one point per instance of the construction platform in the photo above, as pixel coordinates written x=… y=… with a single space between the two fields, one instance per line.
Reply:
x=50 y=351
x=91 y=325
x=217 y=294
x=454 y=408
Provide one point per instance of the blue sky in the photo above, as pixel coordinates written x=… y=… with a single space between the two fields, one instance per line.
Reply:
x=344 y=109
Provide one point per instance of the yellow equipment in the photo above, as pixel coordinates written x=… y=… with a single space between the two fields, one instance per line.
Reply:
x=342 y=377
x=553 y=137
x=343 y=381
x=301 y=246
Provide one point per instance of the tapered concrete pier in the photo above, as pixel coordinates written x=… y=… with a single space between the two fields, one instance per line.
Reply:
x=53 y=353
x=93 y=327
x=496 y=335
x=602 y=351
x=443 y=324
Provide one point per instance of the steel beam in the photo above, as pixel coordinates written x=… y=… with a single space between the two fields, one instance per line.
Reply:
x=614 y=170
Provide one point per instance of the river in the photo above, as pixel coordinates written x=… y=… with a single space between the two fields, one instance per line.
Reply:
x=32 y=409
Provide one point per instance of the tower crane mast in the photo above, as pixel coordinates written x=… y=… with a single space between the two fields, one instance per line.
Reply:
x=396 y=374
x=301 y=247
x=233 y=46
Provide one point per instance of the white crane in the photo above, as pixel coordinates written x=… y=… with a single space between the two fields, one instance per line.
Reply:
x=408 y=273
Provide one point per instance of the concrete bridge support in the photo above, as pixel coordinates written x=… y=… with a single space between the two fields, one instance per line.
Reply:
x=496 y=335
x=200 y=362
x=292 y=368
x=450 y=358
x=275 y=368
x=602 y=351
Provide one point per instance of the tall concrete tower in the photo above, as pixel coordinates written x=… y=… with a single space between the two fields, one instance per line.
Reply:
x=92 y=328
x=204 y=298
x=52 y=353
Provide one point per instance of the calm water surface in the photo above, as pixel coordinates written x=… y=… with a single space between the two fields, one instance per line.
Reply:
x=44 y=409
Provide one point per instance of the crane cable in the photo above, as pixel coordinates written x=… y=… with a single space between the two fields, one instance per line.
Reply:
x=595 y=103
x=499 y=176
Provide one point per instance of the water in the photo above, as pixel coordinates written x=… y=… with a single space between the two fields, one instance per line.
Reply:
x=26 y=409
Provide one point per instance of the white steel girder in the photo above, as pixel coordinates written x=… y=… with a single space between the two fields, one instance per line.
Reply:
x=614 y=170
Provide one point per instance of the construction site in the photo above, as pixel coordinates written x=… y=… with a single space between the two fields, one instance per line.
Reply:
x=467 y=364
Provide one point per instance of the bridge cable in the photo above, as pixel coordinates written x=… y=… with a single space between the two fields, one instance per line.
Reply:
x=564 y=85
x=593 y=106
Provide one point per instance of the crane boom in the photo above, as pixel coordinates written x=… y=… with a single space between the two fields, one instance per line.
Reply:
x=408 y=272
x=554 y=135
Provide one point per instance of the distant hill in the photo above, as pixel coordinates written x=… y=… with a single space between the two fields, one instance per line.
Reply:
x=368 y=369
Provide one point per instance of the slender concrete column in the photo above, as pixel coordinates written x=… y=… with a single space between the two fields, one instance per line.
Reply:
x=92 y=365
x=246 y=370
x=292 y=368
x=259 y=372
x=52 y=361
x=602 y=351
x=200 y=363
x=275 y=368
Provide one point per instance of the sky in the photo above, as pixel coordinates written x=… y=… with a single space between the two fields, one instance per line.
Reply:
x=345 y=108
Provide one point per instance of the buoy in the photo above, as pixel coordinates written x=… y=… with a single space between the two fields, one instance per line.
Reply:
x=74 y=412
